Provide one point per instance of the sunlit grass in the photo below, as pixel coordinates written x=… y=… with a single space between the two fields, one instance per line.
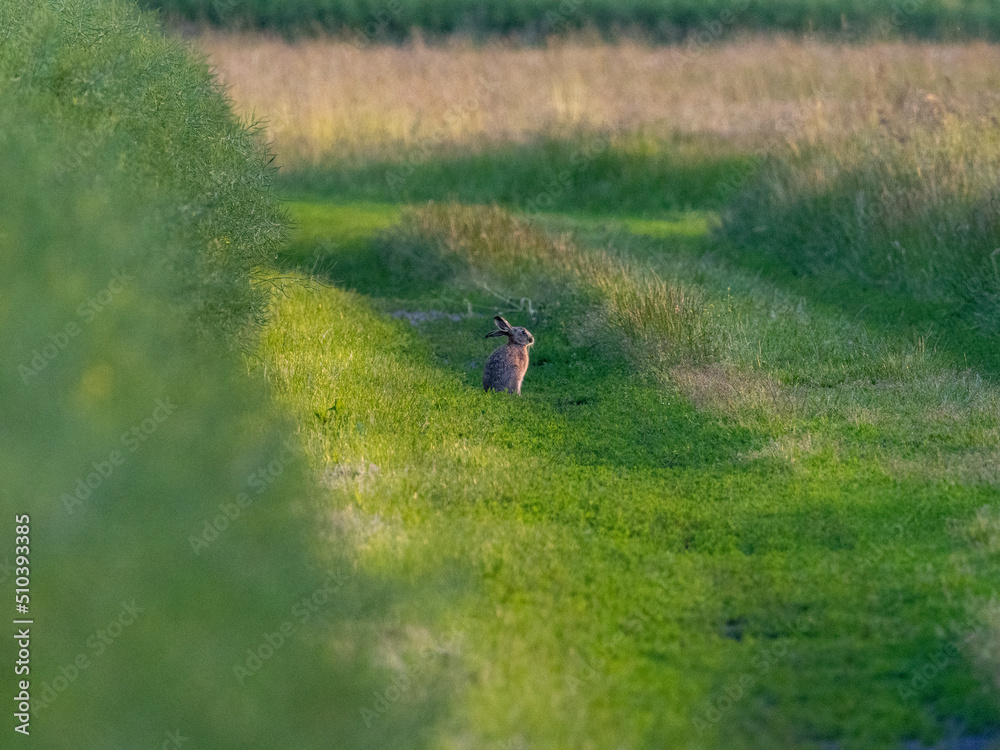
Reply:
x=689 y=226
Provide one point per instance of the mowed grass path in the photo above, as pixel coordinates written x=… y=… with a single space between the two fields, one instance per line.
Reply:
x=653 y=562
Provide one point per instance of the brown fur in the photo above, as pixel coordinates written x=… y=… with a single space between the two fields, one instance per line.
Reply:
x=505 y=369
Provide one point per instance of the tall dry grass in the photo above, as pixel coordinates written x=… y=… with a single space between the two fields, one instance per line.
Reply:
x=322 y=97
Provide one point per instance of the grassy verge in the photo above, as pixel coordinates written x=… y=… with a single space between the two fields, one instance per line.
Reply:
x=765 y=547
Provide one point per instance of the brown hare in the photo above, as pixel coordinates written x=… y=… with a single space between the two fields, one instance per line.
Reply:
x=506 y=366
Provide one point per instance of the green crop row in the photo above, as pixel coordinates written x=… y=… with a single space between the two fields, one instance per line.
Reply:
x=671 y=20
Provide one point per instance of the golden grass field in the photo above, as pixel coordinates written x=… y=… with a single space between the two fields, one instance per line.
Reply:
x=319 y=97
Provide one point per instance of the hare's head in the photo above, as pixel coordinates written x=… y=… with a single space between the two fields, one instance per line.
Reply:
x=516 y=335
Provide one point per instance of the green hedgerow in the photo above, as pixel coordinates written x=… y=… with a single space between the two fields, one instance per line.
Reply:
x=171 y=548
x=697 y=21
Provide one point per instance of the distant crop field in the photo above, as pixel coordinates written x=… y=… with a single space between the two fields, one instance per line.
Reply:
x=663 y=20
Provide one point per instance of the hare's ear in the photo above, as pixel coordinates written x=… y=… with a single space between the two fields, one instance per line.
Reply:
x=502 y=324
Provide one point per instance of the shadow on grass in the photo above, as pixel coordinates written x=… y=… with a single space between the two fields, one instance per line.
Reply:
x=940 y=326
x=594 y=174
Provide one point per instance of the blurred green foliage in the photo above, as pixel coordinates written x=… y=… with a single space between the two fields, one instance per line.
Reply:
x=699 y=21
x=170 y=518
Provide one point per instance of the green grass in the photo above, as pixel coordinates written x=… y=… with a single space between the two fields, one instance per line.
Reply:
x=698 y=21
x=645 y=528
